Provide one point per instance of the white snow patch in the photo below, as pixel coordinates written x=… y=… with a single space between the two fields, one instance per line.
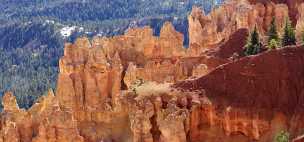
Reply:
x=67 y=31
x=81 y=29
x=50 y=21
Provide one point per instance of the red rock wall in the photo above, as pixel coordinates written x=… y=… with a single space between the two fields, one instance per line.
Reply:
x=259 y=94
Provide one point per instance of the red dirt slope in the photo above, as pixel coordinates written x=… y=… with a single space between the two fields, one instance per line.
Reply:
x=272 y=81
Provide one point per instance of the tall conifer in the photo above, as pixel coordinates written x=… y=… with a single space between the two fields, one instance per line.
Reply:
x=289 y=37
x=253 y=45
x=272 y=32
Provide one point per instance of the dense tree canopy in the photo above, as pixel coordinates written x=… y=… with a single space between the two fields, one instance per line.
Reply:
x=29 y=60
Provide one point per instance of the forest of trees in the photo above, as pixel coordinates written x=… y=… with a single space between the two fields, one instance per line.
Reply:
x=29 y=60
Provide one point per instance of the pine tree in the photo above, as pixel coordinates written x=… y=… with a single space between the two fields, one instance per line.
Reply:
x=273 y=44
x=282 y=137
x=272 y=32
x=253 y=45
x=289 y=37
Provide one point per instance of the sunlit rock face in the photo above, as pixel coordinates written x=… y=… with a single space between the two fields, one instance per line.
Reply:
x=140 y=44
x=44 y=122
x=300 y=23
x=91 y=90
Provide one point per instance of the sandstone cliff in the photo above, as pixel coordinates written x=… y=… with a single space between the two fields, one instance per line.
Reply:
x=257 y=96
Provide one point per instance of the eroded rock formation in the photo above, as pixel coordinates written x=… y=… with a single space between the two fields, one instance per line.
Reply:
x=251 y=107
x=206 y=31
x=138 y=87
x=44 y=122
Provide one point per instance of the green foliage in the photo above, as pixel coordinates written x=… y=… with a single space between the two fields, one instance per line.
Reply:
x=272 y=32
x=273 y=44
x=253 y=45
x=29 y=60
x=289 y=37
x=282 y=137
x=273 y=37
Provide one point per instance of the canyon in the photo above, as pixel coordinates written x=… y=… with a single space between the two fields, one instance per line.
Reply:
x=139 y=87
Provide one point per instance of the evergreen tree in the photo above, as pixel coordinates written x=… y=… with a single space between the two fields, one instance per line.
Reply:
x=272 y=32
x=273 y=44
x=282 y=137
x=253 y=45
x=273 y=38
x=289 y=37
